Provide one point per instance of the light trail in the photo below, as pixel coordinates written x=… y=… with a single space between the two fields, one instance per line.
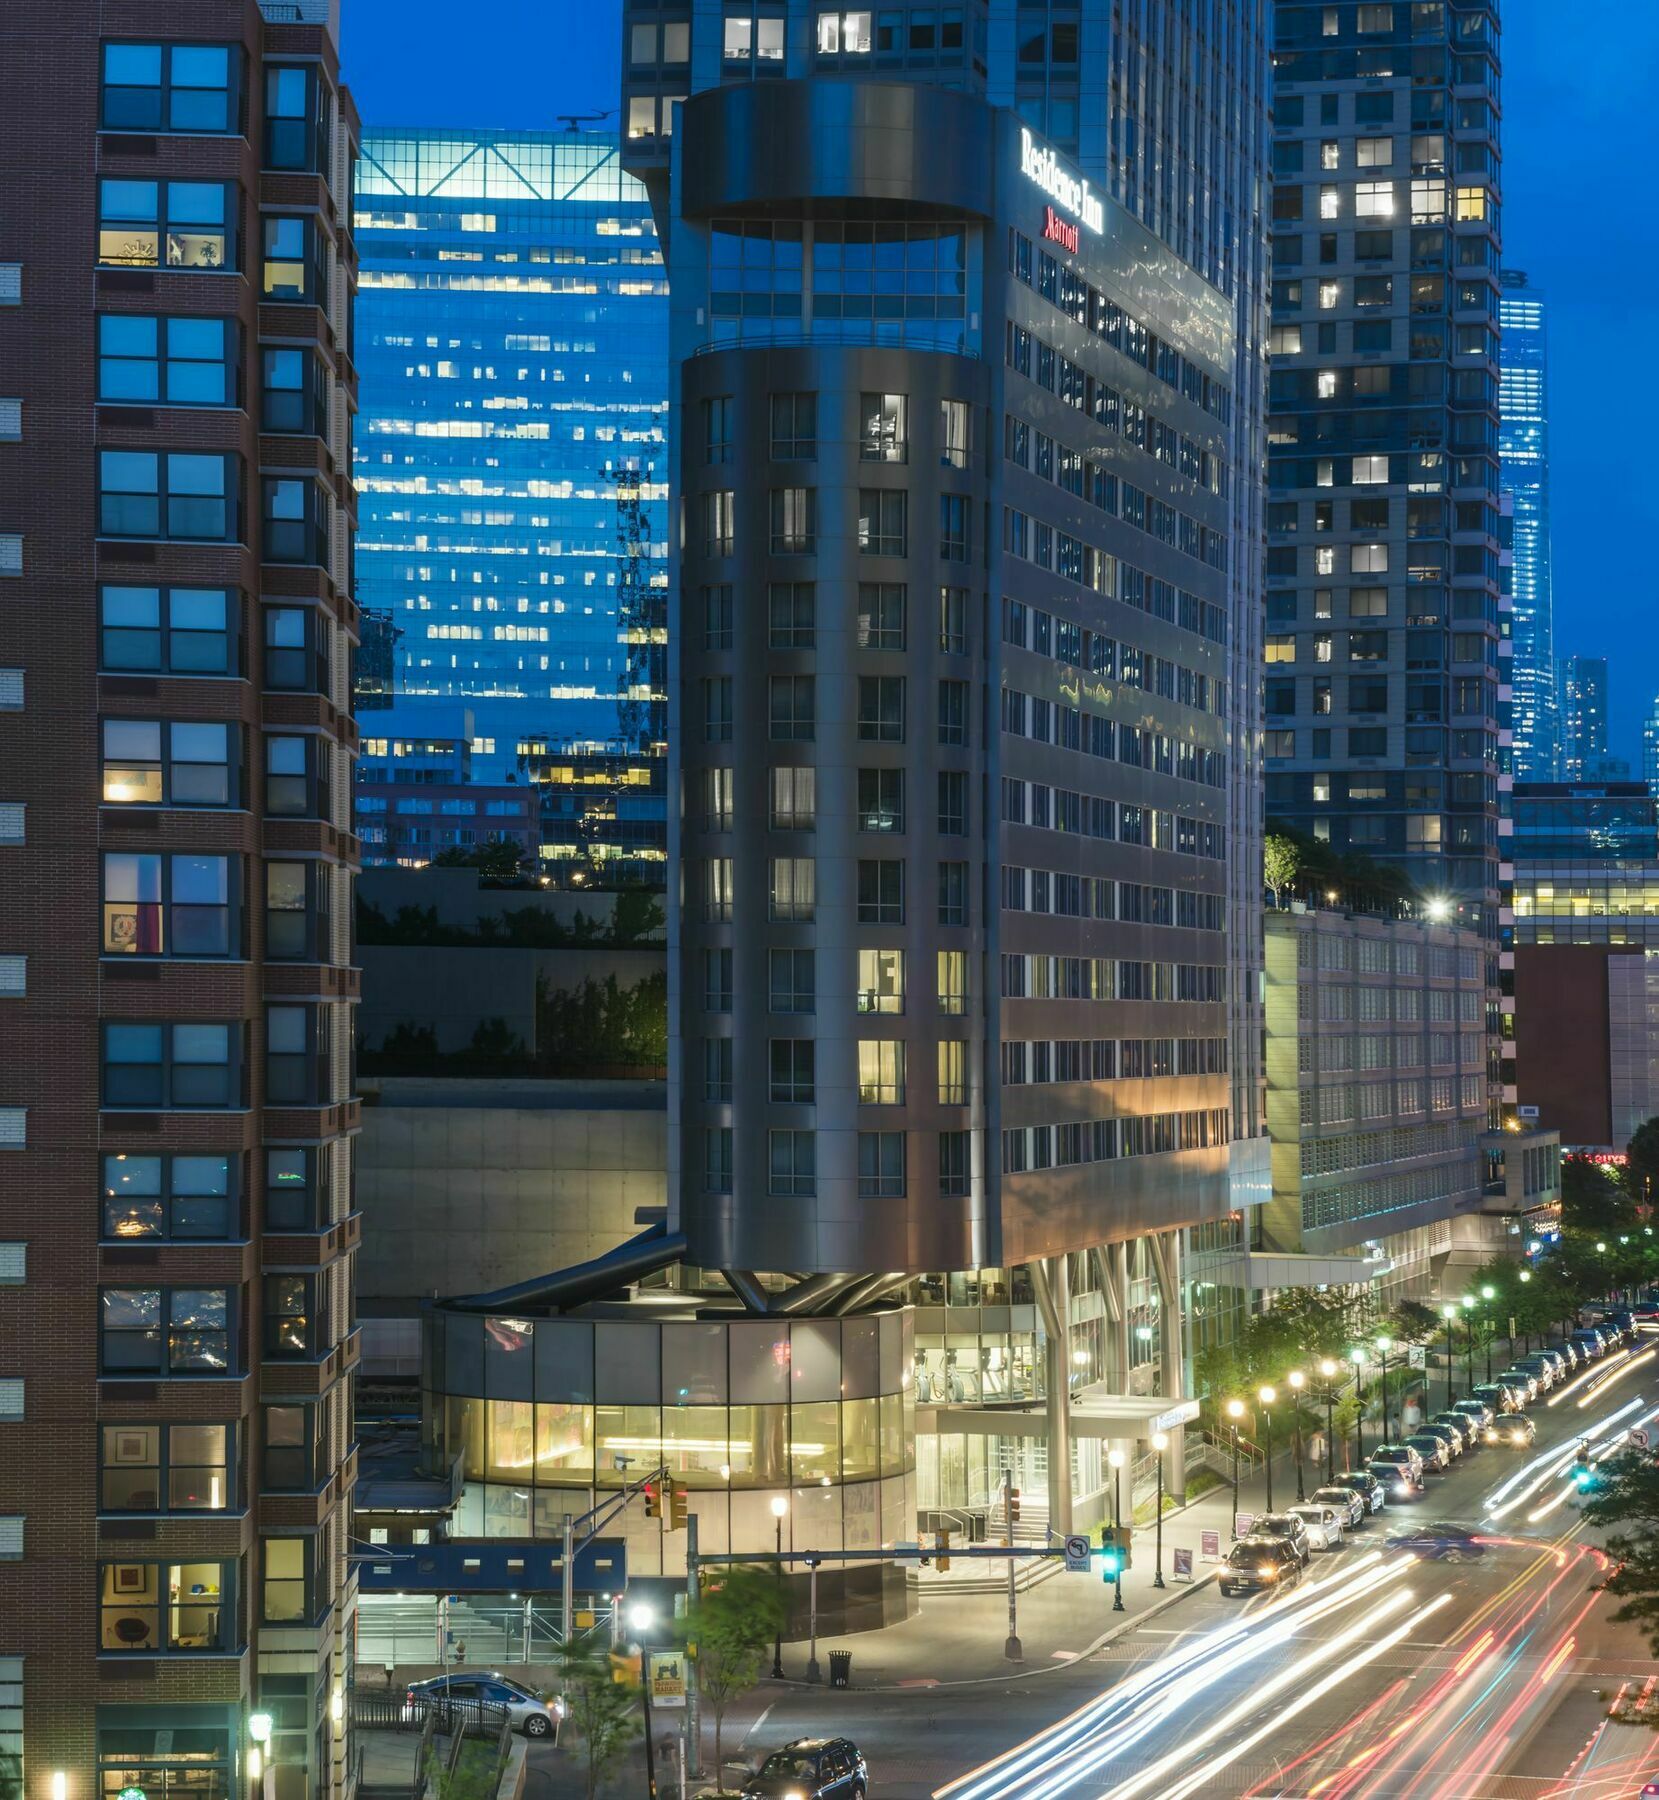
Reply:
x=1551 y=1463
x=1618 y=1374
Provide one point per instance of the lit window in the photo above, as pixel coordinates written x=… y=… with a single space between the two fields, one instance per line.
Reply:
x=1471 y=204
x=1330 y=295
x=1281 y=649
x=1327 y=384
x=1330 y=202
x=1330 y=155
x=881 y=1072
x=1374 y=200
x=1374 y=152
x=1370 y=471
x=843 y=34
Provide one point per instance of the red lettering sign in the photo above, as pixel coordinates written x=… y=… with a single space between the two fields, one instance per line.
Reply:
x=1057 y=231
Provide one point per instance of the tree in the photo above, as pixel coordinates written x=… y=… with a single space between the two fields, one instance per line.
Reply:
x=1280 y=861
x=602 y=1711
x=1628 y=1497
x=474 y=1777
x=1641 y=1169
x=496 y=859
x=1592 y=1199
x=733 y=1625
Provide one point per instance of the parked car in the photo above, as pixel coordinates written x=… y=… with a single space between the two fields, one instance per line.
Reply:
x=817 y=1768
x=1255 y=1564
x=1558 y=1361
x=1288 y=1526
x=1438 y=1543
x=1498 y=1395
x=1540 y=1368
x=1517 y=1430
x=1468 y=1433
x=1403 y=1482
x=1350 y=1503
x=1368 y=1485
x=487 y=1696
x=1450 y=1435
x=1592 y=1342
x=1478 y=1411
x=1407 y=1454
x=1525 y=1385
x=1435 y=1451
x=1324 y=1523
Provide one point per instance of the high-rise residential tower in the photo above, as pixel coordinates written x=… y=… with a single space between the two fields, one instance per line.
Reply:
x=177 y=1226
x=1383 y=646
x=1524 y=450
x=1583 y=686
x=961 y=652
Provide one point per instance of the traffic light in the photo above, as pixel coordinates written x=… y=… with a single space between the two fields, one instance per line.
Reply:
x=653 y=1506
x=1013 y=1506
x=942 y=1560
x=678 y=1504
x=1114 y=1551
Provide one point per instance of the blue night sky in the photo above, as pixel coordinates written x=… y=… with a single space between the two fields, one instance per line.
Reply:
x=1572 y=105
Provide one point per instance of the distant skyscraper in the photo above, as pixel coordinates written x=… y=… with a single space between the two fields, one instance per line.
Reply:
x=1524 y=449
x=1650 y=748
x=1382 y=684
x=512 y=339
x=1583 y=688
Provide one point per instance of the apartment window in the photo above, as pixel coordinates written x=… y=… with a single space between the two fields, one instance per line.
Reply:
x=176 y=362
x=164 y=1331
x=150 y=762
x=792 y=708
x=953 y=1072
x=172 y=904
x=882 y=521
x=147 y=1607
x=1469 y=204
x=794 y=521
x=881 y=610
x=794 y=799
x=1368 y=559
x=717 y=429
x=284 y=1592
x=953 y=621
x=295 y=783
x=293 y=393
x=1369 y=471
x=955 y=516
x=791 y=615
x=880 y=981
x=288 y=1462
x=793 y=1064
x=1280 y=648
x=172 y=1198
x=167 y=494
x=719 y=522
x=792 y=889
x=953 y=893
x=296 y=119
x=717 y=980
x=296 y=1055
x=167 y=224
x=717 y=709
x=792 y=981
x=165 y=1468
x=180 y=631
x=792 y=1164
x=880 y=892
x=293 y=1330
x=881 y=1165
x=1374 y=200
x=171 y=1065
x=881 y=708
x=717 y=1160
x=881 y=1072
x=883 y=435
x=954 y=1171
x=760 y=39
x=951 y=981
x=718 y=617
x=295 y=259
x=953 y=803
x=881 y=799
x=299 y=1189
x=170 y=87
x=293 y=521
x=293 y=662
x=794 y=427
x=954 y=446
x=844 y=33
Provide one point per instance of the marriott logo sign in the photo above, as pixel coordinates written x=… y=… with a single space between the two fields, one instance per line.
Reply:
x=1068 y=191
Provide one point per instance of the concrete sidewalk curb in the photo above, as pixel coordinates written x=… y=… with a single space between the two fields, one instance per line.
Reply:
x=918 y=1685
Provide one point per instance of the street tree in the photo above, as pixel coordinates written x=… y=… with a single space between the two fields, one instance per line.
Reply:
x=604 y=1712
x=1281 y=858
x=733 y=1625
x=1593 y=1199
x=1641 y=1166
x=1626 y=1504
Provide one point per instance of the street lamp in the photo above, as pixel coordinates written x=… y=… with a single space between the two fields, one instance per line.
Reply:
x=1267 y=1397
x=1384 y=1345
x=1297 y=1381
x=1115 y=1458
x=1235 y=1412
x=1468 y=1305
x=1488 y=1293
x=1357 y=1357
x=1160 y=1443
x=780 y=1506
x=1328 y=1373
x=1448 y=1312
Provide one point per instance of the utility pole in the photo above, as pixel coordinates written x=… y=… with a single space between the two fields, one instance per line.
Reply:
x=1012 y=1648
x=567 y=1600
x=693 y=1723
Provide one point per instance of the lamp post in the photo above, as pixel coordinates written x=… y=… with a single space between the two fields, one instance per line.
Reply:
x=641 y=1619
x=1384 y=1345
x=1115 y=1458
x=1468 y=1305
x=1448 y=1313
x=1160 y=1443
x=259 y=1746
x=1487 y=1293
x=1267 y=1396
x=1328 y=1373
x=1357 y=1357
x=1235 y=1412
x=780 y=1506
x=1525 y=1276
x=1297 y=1381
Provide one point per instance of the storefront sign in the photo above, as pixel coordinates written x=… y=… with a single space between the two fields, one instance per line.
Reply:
x=1209 y=1545
x=668 y=1678
x=1071 y=193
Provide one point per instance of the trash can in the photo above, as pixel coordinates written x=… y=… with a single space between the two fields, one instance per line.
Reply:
x=841 y=1667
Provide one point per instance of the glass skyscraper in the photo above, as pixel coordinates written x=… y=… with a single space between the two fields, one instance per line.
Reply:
x=1582 y=685
x=511 y=452
x=1524 y=450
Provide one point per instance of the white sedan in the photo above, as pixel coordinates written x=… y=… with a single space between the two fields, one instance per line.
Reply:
x=1324 y=1524
x=1348 y=1505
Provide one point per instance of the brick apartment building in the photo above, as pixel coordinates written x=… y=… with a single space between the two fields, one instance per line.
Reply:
x=177 y=1228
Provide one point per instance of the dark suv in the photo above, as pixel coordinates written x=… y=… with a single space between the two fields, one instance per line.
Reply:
x=1257 y=1563
x=814 y=1769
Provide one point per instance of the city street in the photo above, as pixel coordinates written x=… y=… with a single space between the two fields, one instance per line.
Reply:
x=1384 y=1674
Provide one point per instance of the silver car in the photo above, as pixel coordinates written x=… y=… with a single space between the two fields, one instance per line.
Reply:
x=482 y=1696
x=1348 y=1504
x=1324 y=1524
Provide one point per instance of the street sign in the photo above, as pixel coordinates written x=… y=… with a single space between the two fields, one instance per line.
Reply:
x=1640 y=1438
x=668 y=1678
x=1077 y=1555
x=1417 y=1356
x=1183 y=1564
x=1242 y=1523
x=1178 y=1414
x=1209 y=1545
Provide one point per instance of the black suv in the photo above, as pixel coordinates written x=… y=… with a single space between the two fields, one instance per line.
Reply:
x=1257 y=1563
x=812 y=1769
